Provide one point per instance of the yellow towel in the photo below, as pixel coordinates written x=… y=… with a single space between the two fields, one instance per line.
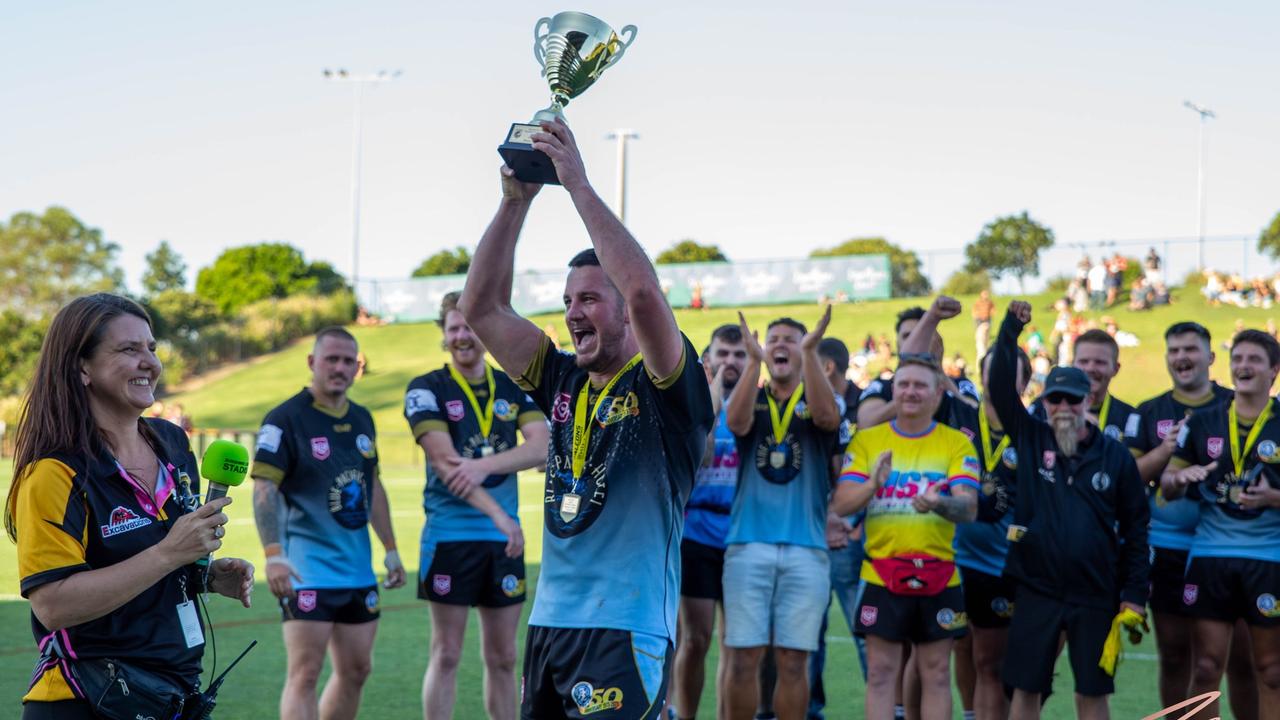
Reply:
x=1129 y=620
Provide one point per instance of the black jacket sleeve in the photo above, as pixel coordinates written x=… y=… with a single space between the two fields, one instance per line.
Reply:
x=1132 y=517
x=1003 y=394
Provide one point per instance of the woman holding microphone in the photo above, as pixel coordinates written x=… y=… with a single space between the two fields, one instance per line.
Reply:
x=103 y=511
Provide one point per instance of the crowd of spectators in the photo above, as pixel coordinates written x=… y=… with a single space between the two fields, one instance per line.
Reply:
x=1234 y=289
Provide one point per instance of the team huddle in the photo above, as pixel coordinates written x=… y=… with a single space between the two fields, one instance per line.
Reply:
x=954 y=529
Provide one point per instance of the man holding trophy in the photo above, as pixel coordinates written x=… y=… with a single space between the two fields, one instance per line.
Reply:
x=630 y=412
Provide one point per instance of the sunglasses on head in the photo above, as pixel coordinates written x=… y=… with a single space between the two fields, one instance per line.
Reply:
x=1060 y=397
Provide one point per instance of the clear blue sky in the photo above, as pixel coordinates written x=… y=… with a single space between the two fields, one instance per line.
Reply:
x=768 y=128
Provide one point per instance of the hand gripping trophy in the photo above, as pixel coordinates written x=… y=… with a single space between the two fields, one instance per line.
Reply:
x=574 y=51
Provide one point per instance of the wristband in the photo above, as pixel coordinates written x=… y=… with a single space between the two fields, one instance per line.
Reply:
x=392 y=560
x=279 y=560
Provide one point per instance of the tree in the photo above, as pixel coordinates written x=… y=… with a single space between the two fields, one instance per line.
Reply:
x=689 y=251
x=165 y=271
x=904 y=265
x=1009 y=244
x=1269 y=238
x=180 y=316
x=250 y=273
x=20 y=340
x=963 y=282
x=46 y=260
x=445 y=262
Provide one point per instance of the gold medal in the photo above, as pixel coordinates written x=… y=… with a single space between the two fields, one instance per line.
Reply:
x=777 y=459
x=1015 y=533
x=1234 y=493
x=486 y=450
x=569 y=505
x=988 y=485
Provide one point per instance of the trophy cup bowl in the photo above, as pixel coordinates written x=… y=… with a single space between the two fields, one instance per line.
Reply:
x=574 y=50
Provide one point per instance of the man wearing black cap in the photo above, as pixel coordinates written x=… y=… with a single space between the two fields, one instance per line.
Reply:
x=1079 y=550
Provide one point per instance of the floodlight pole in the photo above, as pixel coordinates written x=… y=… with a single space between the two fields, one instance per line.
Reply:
x=622 y=135
x=357 y=151
x=1205 y=114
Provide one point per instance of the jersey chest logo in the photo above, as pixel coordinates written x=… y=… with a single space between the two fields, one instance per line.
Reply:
x=1213 y=446
x=1163 y=428
x=453 y=409
x=560 y=408
x=320 y=448
x=123 y=520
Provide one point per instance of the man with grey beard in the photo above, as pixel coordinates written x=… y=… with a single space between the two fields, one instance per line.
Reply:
x=1079 y=535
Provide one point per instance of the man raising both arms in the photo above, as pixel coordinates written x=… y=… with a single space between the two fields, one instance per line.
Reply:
x=630 y=414
x=316 y=492
x=465 y=416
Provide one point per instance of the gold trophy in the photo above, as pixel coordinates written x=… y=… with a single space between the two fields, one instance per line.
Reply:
x=573 y=51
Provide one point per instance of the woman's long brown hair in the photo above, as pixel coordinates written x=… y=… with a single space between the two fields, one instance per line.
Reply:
x=55 y=415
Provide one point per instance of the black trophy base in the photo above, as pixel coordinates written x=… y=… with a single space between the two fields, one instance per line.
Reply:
x=531 y=166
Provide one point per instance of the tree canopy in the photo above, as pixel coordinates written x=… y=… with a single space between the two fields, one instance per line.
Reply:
x=904 y=265
x=1269 y=238
x=689 y=251
x=46 y=260
x=165 y=271
x=446 y=262
x=247 y=274
x=1009 y=244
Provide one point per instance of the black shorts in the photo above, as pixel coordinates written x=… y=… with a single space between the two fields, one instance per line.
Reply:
x=576 y=673
x=349 y=606
x=471 y=573
x=910 y=618
x=701 y=571
x=1168 y=580
x=1033 y=644
x=988 y=600
x=1228 y=589
x=57 y=710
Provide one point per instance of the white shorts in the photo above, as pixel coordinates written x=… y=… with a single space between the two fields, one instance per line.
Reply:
x=775 y=595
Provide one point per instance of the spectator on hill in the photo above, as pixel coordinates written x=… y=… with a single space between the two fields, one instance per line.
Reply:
x=1097 y=280
x=983 y=308
x=1141 y=297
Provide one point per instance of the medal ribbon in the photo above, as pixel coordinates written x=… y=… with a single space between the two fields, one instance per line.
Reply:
x=1233 y=430
x=990 y=456
x=581 y=420
x=484 y=417
x=1106 y=410
x=780 y=425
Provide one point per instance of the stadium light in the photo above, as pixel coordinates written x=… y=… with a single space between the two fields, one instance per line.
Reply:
x=1205 y=114
x=622 y=135
x=358 y=81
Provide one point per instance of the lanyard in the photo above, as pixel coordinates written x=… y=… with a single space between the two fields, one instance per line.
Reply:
x=1106 y=410
x=990 y=456
x=581 y=420
x=1233 y=430
x=780 y=425
x=484 y=417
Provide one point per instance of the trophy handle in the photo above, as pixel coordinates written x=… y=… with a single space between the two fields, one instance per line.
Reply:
x=538 y=37
x=623 y=45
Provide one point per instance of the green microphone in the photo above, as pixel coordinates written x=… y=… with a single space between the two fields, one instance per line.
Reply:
x=224 y=465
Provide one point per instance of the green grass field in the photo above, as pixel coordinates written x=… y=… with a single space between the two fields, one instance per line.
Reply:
x=396 y=354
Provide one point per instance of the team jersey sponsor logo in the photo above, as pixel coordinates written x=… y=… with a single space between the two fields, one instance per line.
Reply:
x=971 y=465
x=802 y=410
x=560 y=408
x=420 y=400
x=1112 y=432
x=269 y=437
x=1010 y=458
x=1267 y=605
x=868 y=615
x=504 y=410
x=123 y=520
x=1213 y=446
x=1163 y=428
x=1049 y=459
x=371 y=601
x=590 y=700
x=1267 y=451
x=348 y=500
x=949 y=619
x=1101 y=481
x=365 y=446
x=1132 y=425
x=453 y=409
x=1002 y=607
x=616 y=409
x=512 y=585
x=342 y=427
x=306 y=600
x=441 y=584
x=1190 y=593
x=320 y=448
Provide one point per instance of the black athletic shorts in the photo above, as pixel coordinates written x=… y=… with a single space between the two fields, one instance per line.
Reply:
x=349 y=606
x=1033 y=644
x=601 y=674
x=910 y=618
x=701 y=571
x=988 y=600
x=1227 y=589
x=471 y=573
x=57 y=710
x=1168 y=580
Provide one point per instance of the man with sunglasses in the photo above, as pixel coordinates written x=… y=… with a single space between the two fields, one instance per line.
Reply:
x=1079 y=533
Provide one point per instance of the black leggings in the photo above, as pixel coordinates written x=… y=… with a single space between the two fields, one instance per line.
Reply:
x=60 y=710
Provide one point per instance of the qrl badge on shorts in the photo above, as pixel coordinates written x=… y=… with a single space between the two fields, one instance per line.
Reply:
x=306 y=600
x=442 y=584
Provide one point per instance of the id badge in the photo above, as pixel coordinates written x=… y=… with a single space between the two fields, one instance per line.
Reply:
x=190 y=624
x=569 y=505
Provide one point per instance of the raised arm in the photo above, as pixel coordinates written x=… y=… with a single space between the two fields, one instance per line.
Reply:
x=818 y=394
x=920 y=340
x=486 y=297
x=1003 y=394
x=621 y=257
x=741 y=414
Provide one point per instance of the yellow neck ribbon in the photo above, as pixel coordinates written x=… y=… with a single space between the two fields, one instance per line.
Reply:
x=780 y=425
x=1233 y=430
x=582 y=420
x=1104 y=412
x=485 y=416
x=990 y=456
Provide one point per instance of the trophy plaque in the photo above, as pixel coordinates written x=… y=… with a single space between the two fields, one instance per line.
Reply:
x=574 y=50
